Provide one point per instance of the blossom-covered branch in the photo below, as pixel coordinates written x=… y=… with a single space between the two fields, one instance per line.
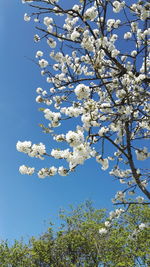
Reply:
x=98 y=71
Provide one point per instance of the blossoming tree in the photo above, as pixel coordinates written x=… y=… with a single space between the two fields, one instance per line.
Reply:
x=98 y=72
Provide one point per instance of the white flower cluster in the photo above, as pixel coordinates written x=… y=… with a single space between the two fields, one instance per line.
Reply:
x=118 y=6
x=117 y=172
x=142 y=154
x=142 y=226
x=26 y=170
x=103 y=130
x=107 y=225
x=82 y=91
x=60 y=154
x=141 y=10
x=35 y=150
x=90 y=14
x=116 y=213
x=102 y=231
x=75 y=35
x=71 y=111
x=120 y=196
x=103 y=162
x=79 y=155
x=46 y=172
x=112 y=216
x=75 y=138
x=69 y=23
x=54 y=117
x=81 y=149
x=112 y=23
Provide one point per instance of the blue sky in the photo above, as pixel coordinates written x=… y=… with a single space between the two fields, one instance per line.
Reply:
x=26 y=202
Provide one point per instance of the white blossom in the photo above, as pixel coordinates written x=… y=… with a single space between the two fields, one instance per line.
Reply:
x=62 y=171
x=103 y=162
x=142 y=154
x=39 y=90
x=102 y=131
x=36 y=20
x=118 y=6
x=27 y=17
x=39 y=54
x=142 y=226
x=127 y=35
x=52 y=171
x=36 y=38
x=74 y=35
x=47 y=21
x=102 y=231
x=107 y=224
x=51 y=42
x=140 y=199
x=43 y=63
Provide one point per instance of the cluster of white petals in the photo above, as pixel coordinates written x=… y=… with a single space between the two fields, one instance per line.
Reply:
x=115 y=214
x=75 y=138
x=142 y=154
x=60 y=154
x=118 y=5
x=102 y=231
x=142 y=226
x=26 y=170
x=104 y=162
x=91 y=13
x=75 y=35
x=82 y=91
x=79 y=155
x=54 y=117
x=35 y=150
x=47 y=172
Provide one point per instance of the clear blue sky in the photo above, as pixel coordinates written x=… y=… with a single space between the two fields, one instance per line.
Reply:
x=26 y=201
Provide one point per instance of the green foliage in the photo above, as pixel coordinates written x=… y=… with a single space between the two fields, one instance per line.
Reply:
x=78 y=242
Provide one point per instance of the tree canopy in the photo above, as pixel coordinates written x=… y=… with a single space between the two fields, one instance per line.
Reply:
x=87 y=237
